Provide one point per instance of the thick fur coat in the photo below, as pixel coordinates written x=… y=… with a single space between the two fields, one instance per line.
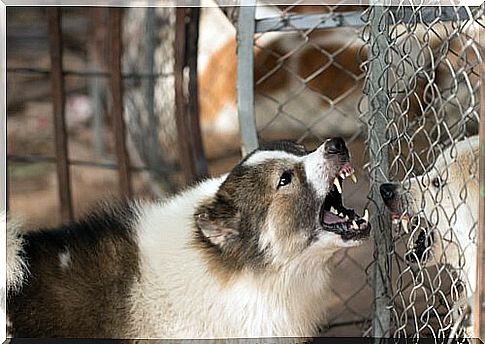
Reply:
x=242 y=255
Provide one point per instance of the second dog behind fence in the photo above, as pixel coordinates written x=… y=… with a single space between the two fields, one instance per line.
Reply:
x=440 y=210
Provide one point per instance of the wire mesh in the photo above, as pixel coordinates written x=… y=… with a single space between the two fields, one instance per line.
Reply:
x=418 y=68
x=431 y=91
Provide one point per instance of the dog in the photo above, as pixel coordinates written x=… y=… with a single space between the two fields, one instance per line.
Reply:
x=441 y=208
x=241 y=255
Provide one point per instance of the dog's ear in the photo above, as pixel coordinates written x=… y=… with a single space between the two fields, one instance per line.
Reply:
x=218 y=222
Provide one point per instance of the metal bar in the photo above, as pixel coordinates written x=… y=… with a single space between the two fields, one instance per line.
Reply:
x=198 y=156
x=180 y=105
x=88 y=74
x=296 y=22
x=116 y=83
x=245 y=76
x=95 y=85
x=192 y=158
x=26 y=158
x=479 y=306
x=3 y=112
x=58 y=102
x=149 y=38
x=379 y=164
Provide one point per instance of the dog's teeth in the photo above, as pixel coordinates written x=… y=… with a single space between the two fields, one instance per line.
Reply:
x=405 y=225
x=333 y=210
x=346 y=218
x=395 y=221
x=354 y=178
x=366 y=215
x=341 y=214
x=342 y=175
x=336 y=182
x=354 y=225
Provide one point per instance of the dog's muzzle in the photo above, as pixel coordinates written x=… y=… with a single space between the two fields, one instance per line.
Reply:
x=393 y=198
x=334 y=217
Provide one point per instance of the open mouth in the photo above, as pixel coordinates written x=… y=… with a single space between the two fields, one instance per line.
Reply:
x=422 y=246
x=334 y=217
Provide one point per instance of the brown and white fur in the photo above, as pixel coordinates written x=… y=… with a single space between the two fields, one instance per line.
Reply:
x=242 y=255
x=441 y=208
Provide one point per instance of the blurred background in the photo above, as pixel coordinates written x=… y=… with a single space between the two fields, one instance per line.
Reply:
x=148 y=80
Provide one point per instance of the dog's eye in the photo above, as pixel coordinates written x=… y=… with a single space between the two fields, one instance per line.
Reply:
x=285 y=179
x=437 y=182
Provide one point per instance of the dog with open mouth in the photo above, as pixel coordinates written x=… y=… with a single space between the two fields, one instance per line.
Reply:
x=242 y=255
x=440 y=209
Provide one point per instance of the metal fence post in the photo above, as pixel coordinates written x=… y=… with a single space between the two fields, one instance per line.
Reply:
x=95 y=85
x=192 y=157
x=479 y=306
x=245 y=76
x=117 y=105
x=58 y=101
x=150 y=41
x=3 y=110
x=377 y=88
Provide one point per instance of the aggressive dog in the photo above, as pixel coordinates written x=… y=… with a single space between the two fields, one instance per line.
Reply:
x=246 y=254
x=441 y=209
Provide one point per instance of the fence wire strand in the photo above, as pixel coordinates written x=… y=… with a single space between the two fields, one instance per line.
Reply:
x=403 y=88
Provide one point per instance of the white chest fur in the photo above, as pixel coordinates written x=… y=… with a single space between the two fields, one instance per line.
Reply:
x=177 y=297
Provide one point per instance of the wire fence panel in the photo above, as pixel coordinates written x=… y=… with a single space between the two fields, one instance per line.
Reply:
x=308 y=81
x=308 y=86
x=402 y=84
x=431 y=97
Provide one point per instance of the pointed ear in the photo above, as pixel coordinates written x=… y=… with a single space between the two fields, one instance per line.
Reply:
x=217 y=227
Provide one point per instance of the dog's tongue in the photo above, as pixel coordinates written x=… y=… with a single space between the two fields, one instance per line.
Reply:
x=330 y=218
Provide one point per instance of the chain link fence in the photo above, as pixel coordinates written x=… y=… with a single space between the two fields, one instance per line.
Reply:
x=423 y=90
x=402 y=84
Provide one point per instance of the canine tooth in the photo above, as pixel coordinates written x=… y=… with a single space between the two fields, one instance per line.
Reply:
x=342 y=175
x=333 y=210
x=336 y=182
x=341 y=214
x=395 y=221
x=354 y=178
x=346 y=218
x=405 y=225
x=366 y=215
x=354 y=225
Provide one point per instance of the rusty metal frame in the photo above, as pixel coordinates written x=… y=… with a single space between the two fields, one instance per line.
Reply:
x=192 y=157
x=193 y=162
x=58 y=101
x=116 y=85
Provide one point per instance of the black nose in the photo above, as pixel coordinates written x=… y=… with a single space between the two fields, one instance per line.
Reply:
x=336 y=145
x=389 y=191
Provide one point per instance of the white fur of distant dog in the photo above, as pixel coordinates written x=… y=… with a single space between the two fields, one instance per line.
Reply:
x=455 y=215
x=448 y=196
